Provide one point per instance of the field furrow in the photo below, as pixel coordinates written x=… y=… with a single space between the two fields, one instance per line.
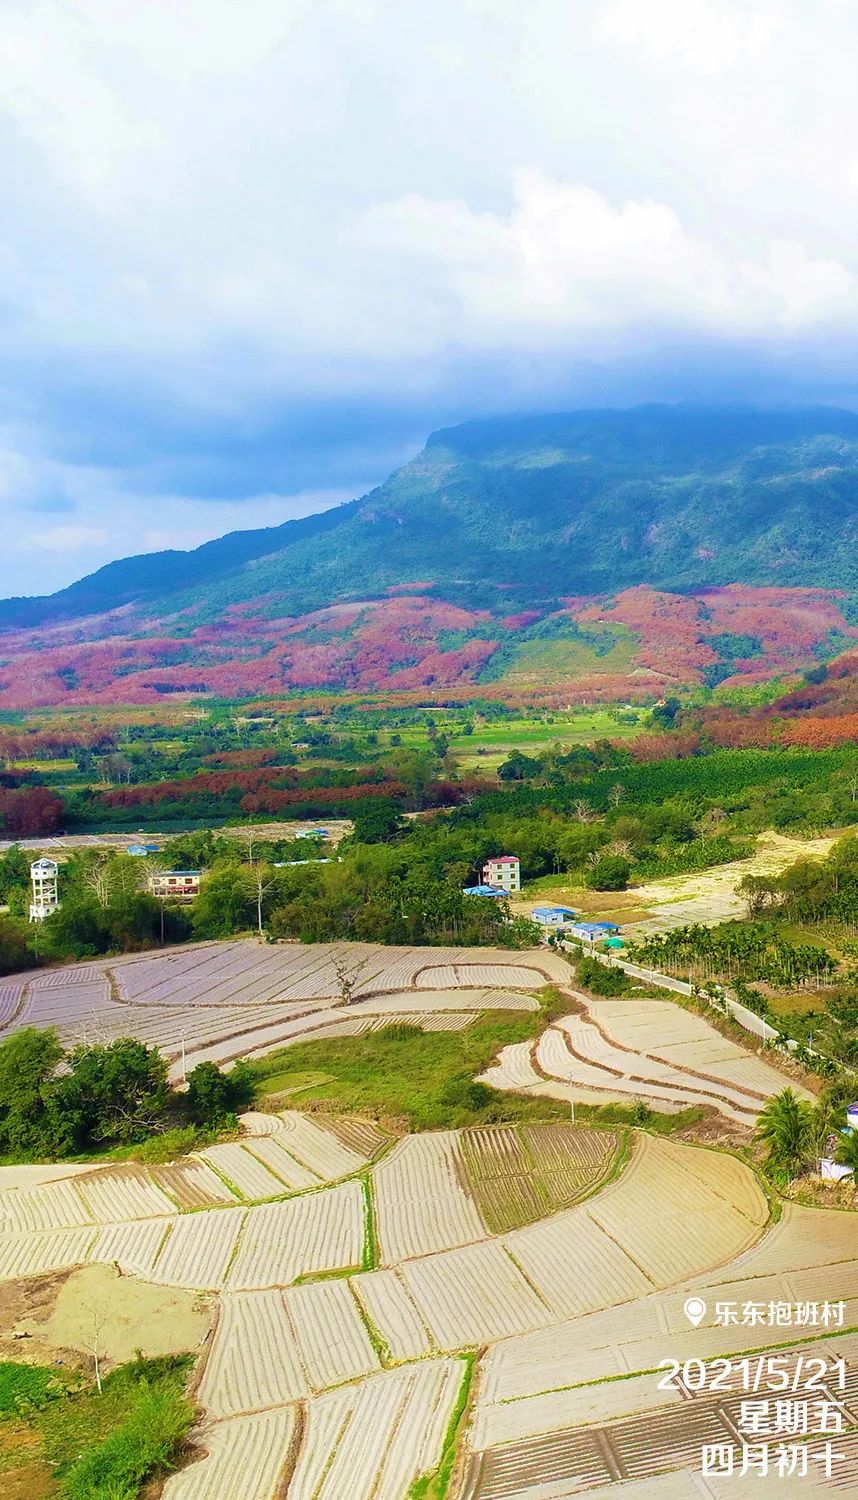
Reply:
x=575 y=1266
x=331 y=1335
x=33 y=1254
x=254 y=1361
x=123 y=1193
x=244 y=1458
x=272 y=1153
x=244 y=1171
x=373 y=1440
x=132 y=1247
x=473 y=1295
x=362 y=1136
x=321 y=1231
x=392 y=1311
x=199 y=1248
x=192 y=1184
x=318 y=1149
x=421 y=1205
x=56 y=1205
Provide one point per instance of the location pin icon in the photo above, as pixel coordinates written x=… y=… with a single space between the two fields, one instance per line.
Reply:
x=695 y=1311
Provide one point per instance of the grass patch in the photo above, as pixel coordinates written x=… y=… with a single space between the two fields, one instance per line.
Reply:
x=78 y=1444
x=424 y=1079
x=434 y=1485
x=290 y=1082
x=370 y=1235
x=640 y=1116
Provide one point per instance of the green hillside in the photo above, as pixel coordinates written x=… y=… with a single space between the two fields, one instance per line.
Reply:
x=515 y=513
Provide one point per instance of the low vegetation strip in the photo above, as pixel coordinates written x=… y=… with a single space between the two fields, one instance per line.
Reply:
x=60 y=1435
x=518 y=1175
x=374 y=1440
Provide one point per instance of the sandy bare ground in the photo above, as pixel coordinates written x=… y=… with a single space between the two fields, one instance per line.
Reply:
x=64 y=1315
x=712 y=896
x=708 y=897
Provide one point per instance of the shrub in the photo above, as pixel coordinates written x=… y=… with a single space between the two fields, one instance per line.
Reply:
x=610 y=873
x=600 y=978
x=145 y=1442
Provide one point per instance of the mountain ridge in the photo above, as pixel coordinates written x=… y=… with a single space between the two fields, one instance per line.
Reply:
x=560 y=540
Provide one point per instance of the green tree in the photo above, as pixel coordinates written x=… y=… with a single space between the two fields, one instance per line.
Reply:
x=601 y=978
x=786 y=1127
x=610 y=873
x=30 y=1124
x=213 y=1097
x=377 y=820
x=118 y=1092
x=518 y=767
x=15 y=950
x=226 y=903
x=14 y=872
x=847 y=1152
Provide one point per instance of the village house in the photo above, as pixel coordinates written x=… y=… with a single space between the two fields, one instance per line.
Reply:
x=553 y=916
x=504 y=871
x=175 y=885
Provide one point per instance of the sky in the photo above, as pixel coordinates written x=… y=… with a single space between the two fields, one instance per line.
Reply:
x=251 y=254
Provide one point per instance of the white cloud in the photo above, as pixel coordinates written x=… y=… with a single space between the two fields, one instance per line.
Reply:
x=565 y=259
x=235 y=209
x=66 y=538
x=709 y=36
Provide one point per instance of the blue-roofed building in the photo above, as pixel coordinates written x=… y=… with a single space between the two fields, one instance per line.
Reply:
x=484 y=890
x=553 y=916
x=593 y=932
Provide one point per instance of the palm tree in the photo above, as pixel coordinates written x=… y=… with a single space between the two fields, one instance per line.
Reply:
x=847 y=1152
x=786 y=1126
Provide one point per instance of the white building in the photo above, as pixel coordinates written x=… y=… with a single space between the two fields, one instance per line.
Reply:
x=503 y=871
x=553 y=916
x=175 y=885
x=46 y=897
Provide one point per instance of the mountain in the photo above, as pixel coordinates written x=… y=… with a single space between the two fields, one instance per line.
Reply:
x=616 y=551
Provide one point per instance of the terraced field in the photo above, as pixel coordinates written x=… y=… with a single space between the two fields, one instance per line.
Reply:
x=641 y=1051
x=318 y=1385
x=367 y=1291
x=220 y=1001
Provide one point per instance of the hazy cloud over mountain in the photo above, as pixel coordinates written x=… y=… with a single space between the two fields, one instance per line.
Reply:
x=250 y=254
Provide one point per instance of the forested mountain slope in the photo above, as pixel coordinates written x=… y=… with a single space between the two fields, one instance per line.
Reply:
x=537 y=548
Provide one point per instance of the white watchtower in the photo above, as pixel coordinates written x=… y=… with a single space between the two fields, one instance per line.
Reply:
x=46 y=898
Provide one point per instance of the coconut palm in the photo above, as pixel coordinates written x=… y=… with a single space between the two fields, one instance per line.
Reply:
x=787 y=1127
x=847 y=1152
